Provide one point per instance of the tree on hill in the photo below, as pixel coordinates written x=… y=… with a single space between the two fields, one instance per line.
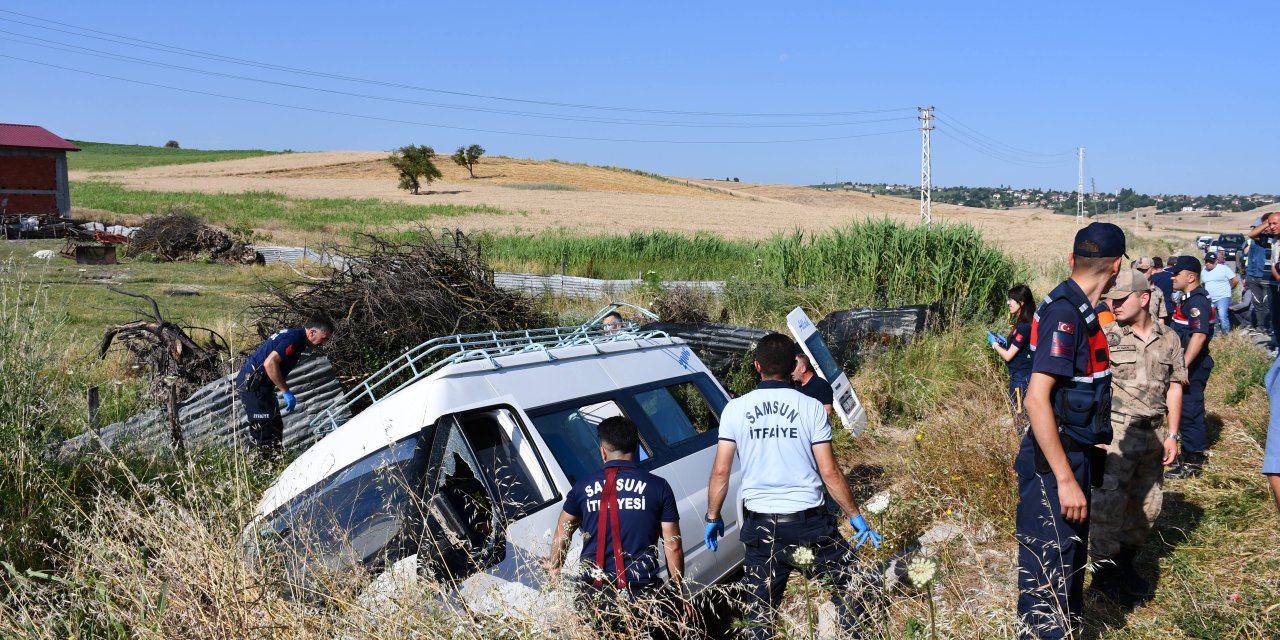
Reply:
x=416 y=164
x=468 y=156
x=172 y=144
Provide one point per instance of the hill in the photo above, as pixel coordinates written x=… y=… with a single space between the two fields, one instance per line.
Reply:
x=104 y=156
x=583 y=200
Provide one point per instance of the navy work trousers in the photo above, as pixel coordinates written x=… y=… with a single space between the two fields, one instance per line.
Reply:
x=1052 y=552
x=266 y=427
x=771 y=555
x=1195 y=436
x=1018 y=390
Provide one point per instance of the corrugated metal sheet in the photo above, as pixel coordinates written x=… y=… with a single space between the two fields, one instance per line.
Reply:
x=294 y=255
x=30 y=136
x=578 y=287
x=214 y=416
x=853 y=333
x=720 y=346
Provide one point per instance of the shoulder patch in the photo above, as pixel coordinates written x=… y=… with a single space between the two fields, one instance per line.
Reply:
x=1195 y=312
x=1063 y=345
x=1066 y=327
x=288 y=351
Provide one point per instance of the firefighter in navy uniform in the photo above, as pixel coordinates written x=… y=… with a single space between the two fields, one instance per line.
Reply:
x=1069 y=406
x=1193 y=321
x=624 y=513
x=268 y=369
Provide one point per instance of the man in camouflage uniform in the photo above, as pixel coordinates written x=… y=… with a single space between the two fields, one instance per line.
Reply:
x=1147 y=375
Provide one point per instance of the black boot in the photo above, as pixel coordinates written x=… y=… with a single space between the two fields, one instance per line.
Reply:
x=1106 y=580
x=1134 y=590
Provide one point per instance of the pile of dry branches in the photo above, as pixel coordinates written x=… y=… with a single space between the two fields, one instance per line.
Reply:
x=178 y=236
x=684 y=305
x=391 y=295
x=166 y=351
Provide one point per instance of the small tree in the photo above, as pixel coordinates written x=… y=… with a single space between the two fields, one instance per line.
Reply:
x=415 y=164
x=467 y=157
x=172 y=144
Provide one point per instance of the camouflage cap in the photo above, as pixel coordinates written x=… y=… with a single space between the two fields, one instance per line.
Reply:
x=1128 y=281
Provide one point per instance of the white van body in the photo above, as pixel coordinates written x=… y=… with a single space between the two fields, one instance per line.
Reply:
x=460 y=476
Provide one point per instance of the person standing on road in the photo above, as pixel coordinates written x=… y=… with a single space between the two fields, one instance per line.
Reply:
x=1147 y=374
x=1069 y=407
x=1219 y=280
x=624 y=512
x=1016 y=350
x=1260 y=274
x=810 y=383
x=782 y=438
x=266 y=370
x=1193 y=321
x=1163 y=280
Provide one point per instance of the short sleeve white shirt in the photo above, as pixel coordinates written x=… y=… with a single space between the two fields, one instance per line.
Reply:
x=775 y=428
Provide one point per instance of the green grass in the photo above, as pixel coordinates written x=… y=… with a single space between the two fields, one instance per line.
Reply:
x=872 y=263
x=80 y=291
x=103 y=156
x=254 y=208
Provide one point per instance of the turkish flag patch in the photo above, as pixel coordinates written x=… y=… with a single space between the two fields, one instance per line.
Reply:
x=288 y=351
x=1063 y=345
x=1066 y=327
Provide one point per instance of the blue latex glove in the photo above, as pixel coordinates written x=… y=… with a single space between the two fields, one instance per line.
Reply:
x=863 y=532
x=290 y=402
x=995 y=339
x=713 y=532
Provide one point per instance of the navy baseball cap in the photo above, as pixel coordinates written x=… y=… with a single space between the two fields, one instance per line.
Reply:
x=1184 y=263
x=1099 y=240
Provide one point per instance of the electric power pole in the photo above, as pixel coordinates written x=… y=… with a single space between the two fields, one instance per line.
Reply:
x=926 y=167
x=1080 y=187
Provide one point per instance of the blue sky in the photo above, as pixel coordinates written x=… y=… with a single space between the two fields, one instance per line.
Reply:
x=1172 y=97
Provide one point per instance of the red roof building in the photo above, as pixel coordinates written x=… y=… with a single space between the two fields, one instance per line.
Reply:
x=33 y=172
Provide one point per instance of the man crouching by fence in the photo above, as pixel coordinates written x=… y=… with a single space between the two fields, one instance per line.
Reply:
x=624 y=513
x=268 y=369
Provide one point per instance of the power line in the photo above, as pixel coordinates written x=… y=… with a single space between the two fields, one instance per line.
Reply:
x=957 y=136
x=998 y=152
x=171 y=49
x=994 y=142
x=440 y=126
x=97 y=53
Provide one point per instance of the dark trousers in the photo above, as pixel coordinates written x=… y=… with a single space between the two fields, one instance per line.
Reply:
x=1273 y=296
x=1052 y=552
x=1195 y=436
x=1260 y=310
x=654 y=608
x=1018 y=390
x=266 y=427
x=771 y=556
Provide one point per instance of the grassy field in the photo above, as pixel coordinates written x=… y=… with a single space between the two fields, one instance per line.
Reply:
x=267 y=209
x=80 y=291
x=103 y=156
x=130 y=548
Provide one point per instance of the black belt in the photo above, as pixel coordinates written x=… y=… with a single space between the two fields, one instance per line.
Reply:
x=1147 y=422
x=782 y=518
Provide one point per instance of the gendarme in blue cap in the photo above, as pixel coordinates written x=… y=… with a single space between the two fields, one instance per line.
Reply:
x=1099 y=240
x=1184 y=263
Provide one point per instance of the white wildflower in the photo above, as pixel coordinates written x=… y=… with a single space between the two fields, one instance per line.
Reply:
x=879 y=502
x=802 y=557
x=921 y=571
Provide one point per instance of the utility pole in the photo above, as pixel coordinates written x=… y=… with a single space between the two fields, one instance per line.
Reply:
x=926 y=167
x=1080 y=187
